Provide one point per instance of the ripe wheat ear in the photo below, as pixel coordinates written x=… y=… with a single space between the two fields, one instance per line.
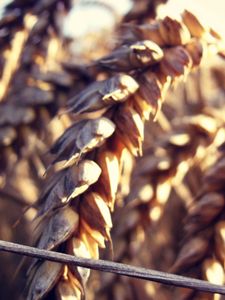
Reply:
x=90 y=156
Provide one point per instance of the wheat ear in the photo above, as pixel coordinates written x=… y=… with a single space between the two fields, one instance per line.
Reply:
x=91 y=160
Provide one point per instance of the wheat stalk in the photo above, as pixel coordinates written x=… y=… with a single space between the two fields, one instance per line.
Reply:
x=91 y=154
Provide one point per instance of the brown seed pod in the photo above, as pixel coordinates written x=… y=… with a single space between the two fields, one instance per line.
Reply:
x=46 y=275
x=148 y=98
x=193 y=24
x=59 y=228
x=130 y=57
x=128 y=120
x=78 y=248
x=69 y=288
x=191 y=253
x=110 y=176
x=195 y=48
x=95 y=212
x=81 y=138
x=203 y=212
x=149 y=31
x=102 y=94
x=97 y=236
x=174 y=33
x=90 y=243
x=176 y=62
x=67 y=185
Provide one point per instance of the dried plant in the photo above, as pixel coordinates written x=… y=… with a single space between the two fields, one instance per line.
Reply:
x=89 y=165
x=87 y=189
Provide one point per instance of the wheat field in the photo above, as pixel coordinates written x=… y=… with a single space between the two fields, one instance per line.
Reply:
x=112 y=146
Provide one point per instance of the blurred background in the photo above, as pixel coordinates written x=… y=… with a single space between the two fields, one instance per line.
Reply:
x=44 y=46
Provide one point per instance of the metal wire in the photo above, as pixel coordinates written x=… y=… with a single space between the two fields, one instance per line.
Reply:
x=113 y=267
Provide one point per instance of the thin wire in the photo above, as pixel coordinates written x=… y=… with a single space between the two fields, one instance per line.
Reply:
x=113 y=267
